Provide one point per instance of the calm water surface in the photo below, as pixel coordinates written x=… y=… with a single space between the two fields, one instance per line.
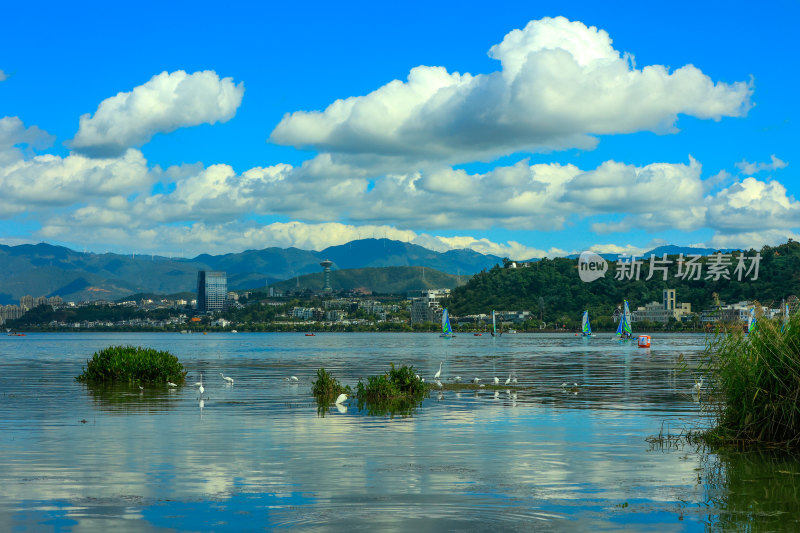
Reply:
x=257 y=455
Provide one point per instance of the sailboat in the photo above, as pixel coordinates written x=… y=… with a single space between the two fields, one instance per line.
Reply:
x=586 y=328
x=624 y=328
x=447 y=331
x=751 y=321
x=494 y=325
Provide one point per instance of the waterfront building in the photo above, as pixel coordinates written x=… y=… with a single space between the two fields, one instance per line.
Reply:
x=428 y=307
x=662 y=312
x=212 y=290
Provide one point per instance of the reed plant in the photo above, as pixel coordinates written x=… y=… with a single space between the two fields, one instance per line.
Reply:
x=398 y=391
x=326 y=387
x=754 y=388
x=132 y=364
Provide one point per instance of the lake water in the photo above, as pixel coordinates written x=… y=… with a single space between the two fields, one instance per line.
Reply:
x=258 y=455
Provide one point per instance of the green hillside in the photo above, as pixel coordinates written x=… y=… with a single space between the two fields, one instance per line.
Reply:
x=552 y=288
x=387 y=280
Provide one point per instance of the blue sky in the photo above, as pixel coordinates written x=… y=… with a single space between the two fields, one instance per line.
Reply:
x=519 y=129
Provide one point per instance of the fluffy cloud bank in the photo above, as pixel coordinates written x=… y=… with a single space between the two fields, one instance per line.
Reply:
x=165 y=103
x=220 y=205
x=560 y=84
x=32 y=182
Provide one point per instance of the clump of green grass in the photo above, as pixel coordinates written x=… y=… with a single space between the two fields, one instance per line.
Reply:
x=326 y=387
x=132 y=364
x=754 y=390
x=397 y=391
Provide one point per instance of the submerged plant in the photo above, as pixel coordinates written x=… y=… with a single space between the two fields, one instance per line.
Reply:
x=132 y=364
x=754 y=393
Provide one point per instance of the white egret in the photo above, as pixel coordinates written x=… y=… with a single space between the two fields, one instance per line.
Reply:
x=496 y=380
x=342 y=408
x=171 y=384
x=513 y=380
x=476 y=380
x=341 y=398
x=457 y=379
x=227 y=379
x=439 y=373
x=292 y=379
x=508 y=380
x=698 y=385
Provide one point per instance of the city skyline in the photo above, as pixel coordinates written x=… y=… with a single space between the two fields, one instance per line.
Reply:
x=522 y=132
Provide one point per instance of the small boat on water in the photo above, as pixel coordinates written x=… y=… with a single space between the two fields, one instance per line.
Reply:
x=447 y=330
x=478 y=334
x=624 y=329
x=586 y=328
x=751 y=321
x=310 y=335
x=15 y=334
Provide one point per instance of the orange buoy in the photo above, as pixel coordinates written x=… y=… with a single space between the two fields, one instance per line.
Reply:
x=644 y=341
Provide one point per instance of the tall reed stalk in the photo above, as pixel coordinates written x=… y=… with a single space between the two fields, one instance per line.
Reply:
x=754 y=386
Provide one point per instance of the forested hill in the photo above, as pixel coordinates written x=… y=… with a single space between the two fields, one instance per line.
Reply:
x=553 y=286
x=386 y=280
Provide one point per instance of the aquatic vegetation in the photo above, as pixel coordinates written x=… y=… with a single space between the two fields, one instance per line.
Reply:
x=326 y=387
x=754 y=388
x=398 y=391
x=132 y=364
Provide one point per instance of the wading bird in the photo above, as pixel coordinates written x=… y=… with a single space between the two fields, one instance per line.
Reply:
x=439 y=373
x=227 y=379
x=341 y=398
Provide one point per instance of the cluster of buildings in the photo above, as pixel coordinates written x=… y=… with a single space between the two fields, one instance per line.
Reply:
x=26 y=303
x=661 y=311
x=341 y=310
x=427 y=307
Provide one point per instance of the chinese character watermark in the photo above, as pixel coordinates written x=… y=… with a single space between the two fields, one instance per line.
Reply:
x=718 y=266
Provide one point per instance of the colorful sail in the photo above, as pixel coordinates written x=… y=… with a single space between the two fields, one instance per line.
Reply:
x=447 y=331
x=751 y=322
x=586 y=328
x=624 y=328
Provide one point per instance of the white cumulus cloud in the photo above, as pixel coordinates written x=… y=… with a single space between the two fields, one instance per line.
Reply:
x=754 y=168
x=560 y=84
x=168 y=101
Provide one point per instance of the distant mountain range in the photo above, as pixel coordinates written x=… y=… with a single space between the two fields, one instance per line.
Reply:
x=47 y=270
